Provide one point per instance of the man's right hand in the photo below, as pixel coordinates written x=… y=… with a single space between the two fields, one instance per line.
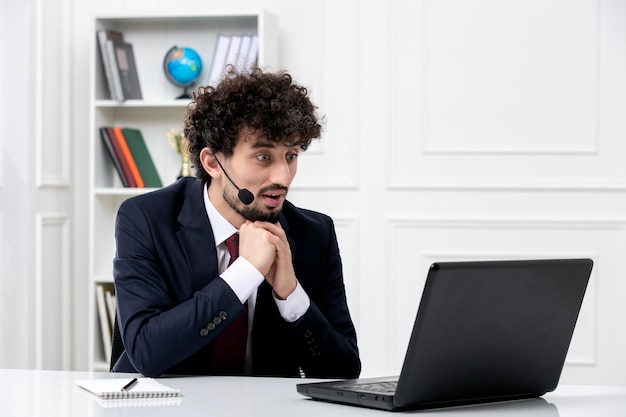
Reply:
x=255 y=246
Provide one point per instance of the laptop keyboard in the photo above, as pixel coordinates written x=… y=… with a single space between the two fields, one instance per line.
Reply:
x=384 y=387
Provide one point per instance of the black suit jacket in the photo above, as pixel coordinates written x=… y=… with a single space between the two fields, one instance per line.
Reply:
x=168 y=290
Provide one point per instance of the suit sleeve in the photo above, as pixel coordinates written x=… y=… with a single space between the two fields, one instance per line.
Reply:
x=163 y=319
x=325 y=333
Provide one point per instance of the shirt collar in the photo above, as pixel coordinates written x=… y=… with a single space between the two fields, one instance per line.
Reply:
x=222 y=229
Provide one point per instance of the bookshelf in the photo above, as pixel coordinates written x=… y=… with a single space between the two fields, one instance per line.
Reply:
x=155 y=114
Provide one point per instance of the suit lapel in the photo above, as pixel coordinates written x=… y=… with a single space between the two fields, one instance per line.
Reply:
x=195 y=236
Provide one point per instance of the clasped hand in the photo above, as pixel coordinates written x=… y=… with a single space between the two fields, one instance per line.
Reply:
x=265 y=246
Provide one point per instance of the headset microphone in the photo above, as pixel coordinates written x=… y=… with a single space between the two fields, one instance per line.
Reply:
x=245 y=196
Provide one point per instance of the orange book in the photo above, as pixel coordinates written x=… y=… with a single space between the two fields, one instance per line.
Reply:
x=119 y=156
x=119 y=135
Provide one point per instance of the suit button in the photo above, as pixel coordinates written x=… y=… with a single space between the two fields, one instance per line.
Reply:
x=204 y=332
x=308 y=334
x=210 y=326
x=217 y=320
x=223 y=315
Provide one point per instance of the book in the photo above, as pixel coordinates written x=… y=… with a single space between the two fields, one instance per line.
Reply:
x=107 y=55
x=142 y=157
x=246 y=40
x=111 y=388
x=120 y=154
x=113 y=156
x=252 y=55
x=127 y=70
x=117 y=157
x=219 y=59
x=232 y=58
x=103 y=319
x=128 y=156
x=109 y=297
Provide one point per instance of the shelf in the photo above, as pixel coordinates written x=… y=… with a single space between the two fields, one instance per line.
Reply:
x=121 y=191
x=157 y=113
x=142 y=103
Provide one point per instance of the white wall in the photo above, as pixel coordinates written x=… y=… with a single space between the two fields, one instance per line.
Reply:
x=457 y=129
x=14 y=268
x=35 y=192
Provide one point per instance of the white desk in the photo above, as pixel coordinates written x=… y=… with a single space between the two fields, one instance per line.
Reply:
x=54 y=393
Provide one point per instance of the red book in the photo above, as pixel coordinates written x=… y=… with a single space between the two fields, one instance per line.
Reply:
x=117 y=156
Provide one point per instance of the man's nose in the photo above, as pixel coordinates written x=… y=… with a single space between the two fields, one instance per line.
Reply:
x=281 y=173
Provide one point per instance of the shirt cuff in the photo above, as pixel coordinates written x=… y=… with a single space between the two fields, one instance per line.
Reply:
x=242 y=278
x=295 y=305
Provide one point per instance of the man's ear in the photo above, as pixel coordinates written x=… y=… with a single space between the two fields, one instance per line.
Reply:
x=209 y=163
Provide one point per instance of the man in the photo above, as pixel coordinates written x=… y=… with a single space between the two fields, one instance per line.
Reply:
x=179 y=299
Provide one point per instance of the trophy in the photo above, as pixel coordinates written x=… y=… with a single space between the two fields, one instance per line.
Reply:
x=179 y=143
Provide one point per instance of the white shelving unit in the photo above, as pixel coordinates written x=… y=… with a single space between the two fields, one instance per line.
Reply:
x=157 y=113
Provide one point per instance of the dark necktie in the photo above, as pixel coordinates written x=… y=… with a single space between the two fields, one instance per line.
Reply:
x=230 y=346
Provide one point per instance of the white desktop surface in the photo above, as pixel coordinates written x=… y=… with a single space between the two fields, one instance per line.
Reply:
x=54 y=393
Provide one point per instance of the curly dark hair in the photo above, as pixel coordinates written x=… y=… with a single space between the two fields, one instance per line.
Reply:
x=267 y=103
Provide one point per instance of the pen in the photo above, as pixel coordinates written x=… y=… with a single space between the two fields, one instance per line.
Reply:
x=129 y=385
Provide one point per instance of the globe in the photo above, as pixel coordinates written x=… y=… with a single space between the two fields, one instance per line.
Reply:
x=182 y=67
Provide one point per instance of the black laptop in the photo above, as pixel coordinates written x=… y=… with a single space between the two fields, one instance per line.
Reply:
x=485 y=331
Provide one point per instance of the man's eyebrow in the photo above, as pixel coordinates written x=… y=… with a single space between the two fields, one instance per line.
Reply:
x=271 y=145
x=263 y=144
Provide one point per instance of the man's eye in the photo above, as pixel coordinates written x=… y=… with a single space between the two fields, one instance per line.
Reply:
x=263 y=157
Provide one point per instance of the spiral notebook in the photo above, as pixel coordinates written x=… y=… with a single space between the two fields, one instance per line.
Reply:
x=111 y=389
